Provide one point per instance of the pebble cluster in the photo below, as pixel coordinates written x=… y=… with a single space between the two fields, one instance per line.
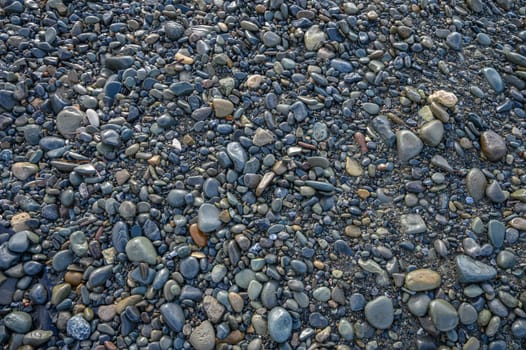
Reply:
x=230 y=174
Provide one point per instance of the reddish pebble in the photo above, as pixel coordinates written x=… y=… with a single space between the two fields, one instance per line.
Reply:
x=360 y=140
x=198 y=236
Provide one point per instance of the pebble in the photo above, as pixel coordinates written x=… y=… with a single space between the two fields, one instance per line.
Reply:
x=314 y=38
x=18 y=321
x=208 y=218
x=380 y=312
x=78 y=328
x=472 y=271
x=432 y=132
x=68 y=121
x=494 y=79
x=279 y=323
x=408 y=145
x=443 y=315
x=24 y=170
x=173 y=316
x=141 y=249
x=203 y=336
x=493 y=145
x=476 y=184
x=422 y=280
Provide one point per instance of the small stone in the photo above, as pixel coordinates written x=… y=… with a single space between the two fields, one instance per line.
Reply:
x=518 y=223
x=422 y=280
x=445 y=98
x=418 y=304
x=467 y=314
x=454 y=41
x=493 y=145
x=443 y=315
x=353 y=167
x=506 y=259
x=78 y=328
x=408 y=145
x=141 y=249
x=208 y=218
x=203 y=336
x=379 y=312
x=271 y=39
x=254 y=81
x=213 y=309
x=518 y=328
x=279 y=324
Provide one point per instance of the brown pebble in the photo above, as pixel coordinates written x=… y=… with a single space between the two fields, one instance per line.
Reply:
x=360 y=140
x=199 y=237
x=73 y=277
x=234 y=337
x=109 y=345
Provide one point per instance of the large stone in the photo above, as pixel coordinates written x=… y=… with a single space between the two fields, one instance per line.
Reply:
x=432 y=132
x=476 y=184
x=173 y=316
x=314 y=38
x=412 y=224
x=279 y=324
x=222 y=107
x=203 y=336
x=141 y=249
x=422 y=280
x=68 y=121
x=493 y=145
x=408 y=145
x=24 y=170
x=208 y=218
x=379 y=312
x=472 y=271
x=443 y=315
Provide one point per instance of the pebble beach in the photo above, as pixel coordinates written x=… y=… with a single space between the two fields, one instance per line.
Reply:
x=263 y=174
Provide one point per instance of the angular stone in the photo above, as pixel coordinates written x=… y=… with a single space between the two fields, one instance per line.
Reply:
x=493 y=145
x=222 y=107
x=472 y=271
x=24 y=170
x=445 y=98
x=408 y=145
x=68 y=121
x=203 y=336
x=432 y=132
x=412 y=224
x=314 y=38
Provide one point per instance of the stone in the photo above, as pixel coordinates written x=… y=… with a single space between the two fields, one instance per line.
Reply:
x=222 y=107
x=445 y=98
x=476 y=184
x=173 y=316
x=494 y=79
x=238 y=155
x=78 y=328
x=314 y=38
x=198 y=236
x=495 y=193
x=496 y=233
x=379 y=312
x=443 y=315
x=432 y=132
x=213 y=309
x=68 y=121
x=467 y=314
x=493 y=145
x=422 y=280
x=353 y=167
x=279 y=323
x=454 y=41
x=208 y=218
x=18 y=321
x=418 y=304
x=271 y=39
x=203 y=336
x=24 y=170
x=472 y=271
x=412 y=224
x=262 y=137
x=408 y=145
x=141 y=249
x=37 y=337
